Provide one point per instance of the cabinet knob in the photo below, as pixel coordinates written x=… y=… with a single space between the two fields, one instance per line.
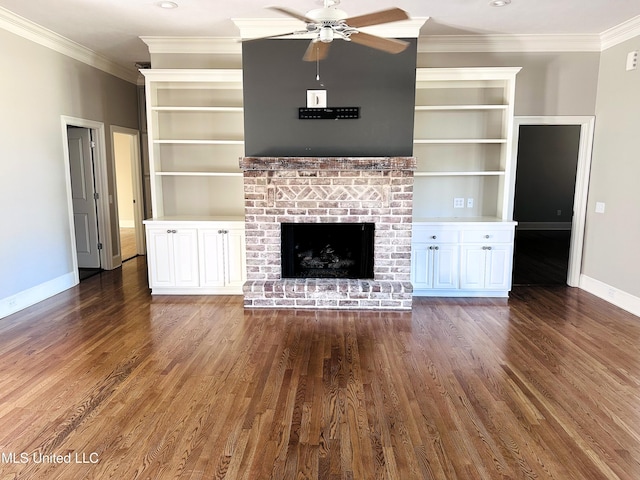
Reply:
x=487 y=236
x=168 y=231
x=434 y=237
x=486 y=248
x=174 y=231
x=436 y=248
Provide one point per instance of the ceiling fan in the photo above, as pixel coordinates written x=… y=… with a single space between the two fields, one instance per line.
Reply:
x=329 y=22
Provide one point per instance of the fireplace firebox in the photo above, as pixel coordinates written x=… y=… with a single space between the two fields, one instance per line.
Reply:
x=327 y=250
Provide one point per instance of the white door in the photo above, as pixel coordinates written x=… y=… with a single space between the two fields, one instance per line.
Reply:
x=160 y=257
x=445 y=266
x=211 y=257
x=83 y=195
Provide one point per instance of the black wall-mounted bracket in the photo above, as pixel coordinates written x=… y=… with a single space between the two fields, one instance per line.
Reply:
x=333 y=113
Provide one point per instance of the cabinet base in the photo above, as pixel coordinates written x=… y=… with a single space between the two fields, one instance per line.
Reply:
x=197 y=291
x=460 y=293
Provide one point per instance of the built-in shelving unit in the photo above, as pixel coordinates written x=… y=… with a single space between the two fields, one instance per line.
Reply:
x=462 y=141
x=195 y=239
x=196 y=129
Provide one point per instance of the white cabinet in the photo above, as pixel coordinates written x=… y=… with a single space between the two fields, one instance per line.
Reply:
x=435 y=259
x=172 y=256
x=462 y=259
x=196 y=256
x=223 y=258
x=486 y=267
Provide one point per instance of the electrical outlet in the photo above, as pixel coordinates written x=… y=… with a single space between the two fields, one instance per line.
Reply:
x=469 y=202
x=559 y=213
x=458 y=202
x=599 y=207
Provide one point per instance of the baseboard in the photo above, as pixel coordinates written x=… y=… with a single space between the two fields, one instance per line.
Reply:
x=31 y=296
x=619 y=298
x=544 y=226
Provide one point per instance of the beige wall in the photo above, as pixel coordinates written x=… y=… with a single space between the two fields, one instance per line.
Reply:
x=37 y=86
x=612 y=253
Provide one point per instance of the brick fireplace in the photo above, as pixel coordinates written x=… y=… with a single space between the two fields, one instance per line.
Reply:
x=281 y=190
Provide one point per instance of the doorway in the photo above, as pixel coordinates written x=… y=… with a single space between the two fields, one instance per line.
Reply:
x=128 y=180
x=84 y=200
x=552 y=163
x=97 y=144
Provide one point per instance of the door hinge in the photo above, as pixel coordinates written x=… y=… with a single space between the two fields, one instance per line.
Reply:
x=96 y=196
x=99 y=246
x=93 y=144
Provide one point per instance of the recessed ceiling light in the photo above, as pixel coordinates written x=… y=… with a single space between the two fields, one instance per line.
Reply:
x=499 y=3
x=167 y=5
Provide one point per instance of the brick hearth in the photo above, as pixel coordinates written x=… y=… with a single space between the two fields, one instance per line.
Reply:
x=322 y=190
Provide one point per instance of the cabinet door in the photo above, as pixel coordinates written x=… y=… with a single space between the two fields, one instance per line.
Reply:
x=212 y=266
x=160 y=257
x=185 y=248
x=445 y=266
x=422 y=266
x=472 y=271
x=498 y=267
x=235 y=258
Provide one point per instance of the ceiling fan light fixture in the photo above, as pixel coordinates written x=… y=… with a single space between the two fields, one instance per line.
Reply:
x=326 y=34
x=499 y=3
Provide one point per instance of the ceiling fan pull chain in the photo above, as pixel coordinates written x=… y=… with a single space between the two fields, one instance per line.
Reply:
x=317 y=64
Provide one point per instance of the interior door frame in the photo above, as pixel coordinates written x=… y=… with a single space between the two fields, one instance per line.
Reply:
x=585 y=147
x=136 y=173
x=102 y=188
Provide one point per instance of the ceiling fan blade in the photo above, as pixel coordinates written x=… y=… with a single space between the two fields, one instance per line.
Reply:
x=376 y=18
x=316 y=51
x=389 y=45
x=293 y=14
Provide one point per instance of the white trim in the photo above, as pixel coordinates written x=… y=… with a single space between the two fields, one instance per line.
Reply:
x=136 y=174
x=31 y=31
x=207 y=45
x=587 y=126
x=107 y=261
x=508 y=43
x=263 y=27
x=619 y=298
x=620 y=33
x=33 y=295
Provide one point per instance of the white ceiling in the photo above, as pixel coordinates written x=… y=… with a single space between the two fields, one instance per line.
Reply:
x=113 y=27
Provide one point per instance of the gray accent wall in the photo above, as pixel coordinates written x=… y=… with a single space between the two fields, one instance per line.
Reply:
x=611 y=251
x=276 y=80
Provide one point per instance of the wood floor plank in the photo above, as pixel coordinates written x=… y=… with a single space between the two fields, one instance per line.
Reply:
x=545 y=384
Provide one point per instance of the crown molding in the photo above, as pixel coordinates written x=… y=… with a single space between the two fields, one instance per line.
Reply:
x=31 y=31
x=266 y=27
x=209 y=45
x=508 y=43
x=620 y=33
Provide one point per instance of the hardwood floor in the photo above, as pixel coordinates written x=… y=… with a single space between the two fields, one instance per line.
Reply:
x=544 y=385
x=127 y=243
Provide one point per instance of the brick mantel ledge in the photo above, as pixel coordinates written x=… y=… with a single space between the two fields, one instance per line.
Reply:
x=328 y=163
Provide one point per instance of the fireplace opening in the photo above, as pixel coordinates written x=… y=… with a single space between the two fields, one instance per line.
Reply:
x=327 y=250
